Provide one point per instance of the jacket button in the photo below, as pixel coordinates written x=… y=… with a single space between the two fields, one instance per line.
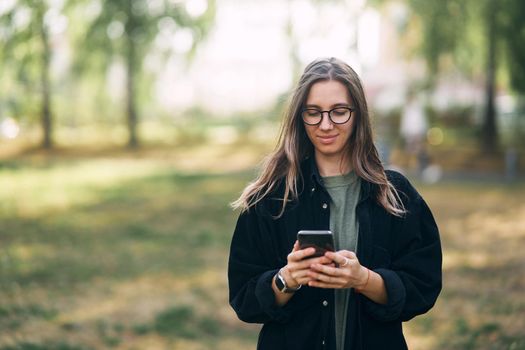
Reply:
x=313 y=189
x=323 y=342
x=325 y=303
x=325 y=205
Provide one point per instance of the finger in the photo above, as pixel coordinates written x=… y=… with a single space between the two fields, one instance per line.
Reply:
x=298 y=274
x=295 y=246
x=307 y=263
x=326 y=278
x=300 y=254
x=318 y=260
x=337 y=258
x=304 y=279
x=326 y=269
x=343 y=253
x=332 y=280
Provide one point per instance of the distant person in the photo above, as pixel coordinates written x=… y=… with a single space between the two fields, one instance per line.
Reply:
x=325 y=174
x=413 y=129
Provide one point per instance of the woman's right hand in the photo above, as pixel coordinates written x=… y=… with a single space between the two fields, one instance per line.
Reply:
x=296 y=270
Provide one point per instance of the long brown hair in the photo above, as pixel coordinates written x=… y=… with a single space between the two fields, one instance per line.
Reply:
x=283 y=164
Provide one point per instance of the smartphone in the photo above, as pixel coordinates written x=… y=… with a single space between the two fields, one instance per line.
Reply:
x=321 y=240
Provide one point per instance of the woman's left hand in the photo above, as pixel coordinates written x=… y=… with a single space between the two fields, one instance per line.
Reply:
x=348 y=272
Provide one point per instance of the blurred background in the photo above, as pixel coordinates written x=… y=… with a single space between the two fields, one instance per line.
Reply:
x=127 y=126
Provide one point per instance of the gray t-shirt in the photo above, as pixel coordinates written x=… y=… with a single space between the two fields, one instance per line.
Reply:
x=344 y=192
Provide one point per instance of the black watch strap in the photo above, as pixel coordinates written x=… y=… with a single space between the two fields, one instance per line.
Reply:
x=280 y=282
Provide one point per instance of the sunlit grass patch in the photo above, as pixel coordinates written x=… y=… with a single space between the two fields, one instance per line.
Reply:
x=30 y=192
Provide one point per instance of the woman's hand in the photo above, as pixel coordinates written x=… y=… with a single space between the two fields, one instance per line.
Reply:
x=346 y=273
x=296 y=271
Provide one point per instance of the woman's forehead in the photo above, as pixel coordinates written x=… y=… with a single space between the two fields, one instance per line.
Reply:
x=327 y=93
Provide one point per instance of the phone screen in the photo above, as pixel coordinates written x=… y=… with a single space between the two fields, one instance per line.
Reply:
x=321 y=240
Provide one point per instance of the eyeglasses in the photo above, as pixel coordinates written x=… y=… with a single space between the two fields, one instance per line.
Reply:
x=338 y=115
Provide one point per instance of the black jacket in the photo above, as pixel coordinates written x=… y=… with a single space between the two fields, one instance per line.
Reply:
x=405 y=251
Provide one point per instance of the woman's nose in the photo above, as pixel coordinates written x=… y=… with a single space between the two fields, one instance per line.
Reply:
x=326 y=123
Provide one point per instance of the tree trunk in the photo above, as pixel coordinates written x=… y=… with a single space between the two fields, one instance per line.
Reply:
x=489 y=137
x=47 y=125
x=130 y=80
x=130 y=100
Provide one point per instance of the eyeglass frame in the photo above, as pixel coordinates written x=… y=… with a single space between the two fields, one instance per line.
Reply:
x=351 y=109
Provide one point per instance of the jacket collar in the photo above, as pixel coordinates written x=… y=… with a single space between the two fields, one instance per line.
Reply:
x=314 y=172
x=316 y=179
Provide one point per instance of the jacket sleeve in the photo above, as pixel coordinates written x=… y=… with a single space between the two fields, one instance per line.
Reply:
x=413 y=280
x=251 y=267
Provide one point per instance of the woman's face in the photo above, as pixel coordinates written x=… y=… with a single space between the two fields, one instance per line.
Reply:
x=329 y=139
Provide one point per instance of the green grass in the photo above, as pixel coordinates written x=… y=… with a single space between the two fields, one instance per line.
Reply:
x=128 y=251
x=111 y=250
x=44 y=346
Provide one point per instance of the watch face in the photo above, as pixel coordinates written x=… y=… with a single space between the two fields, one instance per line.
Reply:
x=281 y=285
x=279 y=282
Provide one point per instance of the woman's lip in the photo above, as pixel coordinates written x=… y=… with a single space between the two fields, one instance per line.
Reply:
x=327 y=139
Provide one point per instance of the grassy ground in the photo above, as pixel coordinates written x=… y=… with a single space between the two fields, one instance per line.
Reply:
x=128 y=251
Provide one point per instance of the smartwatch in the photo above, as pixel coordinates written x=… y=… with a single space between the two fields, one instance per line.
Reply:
x=280 y=282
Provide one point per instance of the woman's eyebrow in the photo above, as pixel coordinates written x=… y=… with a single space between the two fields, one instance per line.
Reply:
x=340 y=104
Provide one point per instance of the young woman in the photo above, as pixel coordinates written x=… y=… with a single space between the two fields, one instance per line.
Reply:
x=325 y=174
